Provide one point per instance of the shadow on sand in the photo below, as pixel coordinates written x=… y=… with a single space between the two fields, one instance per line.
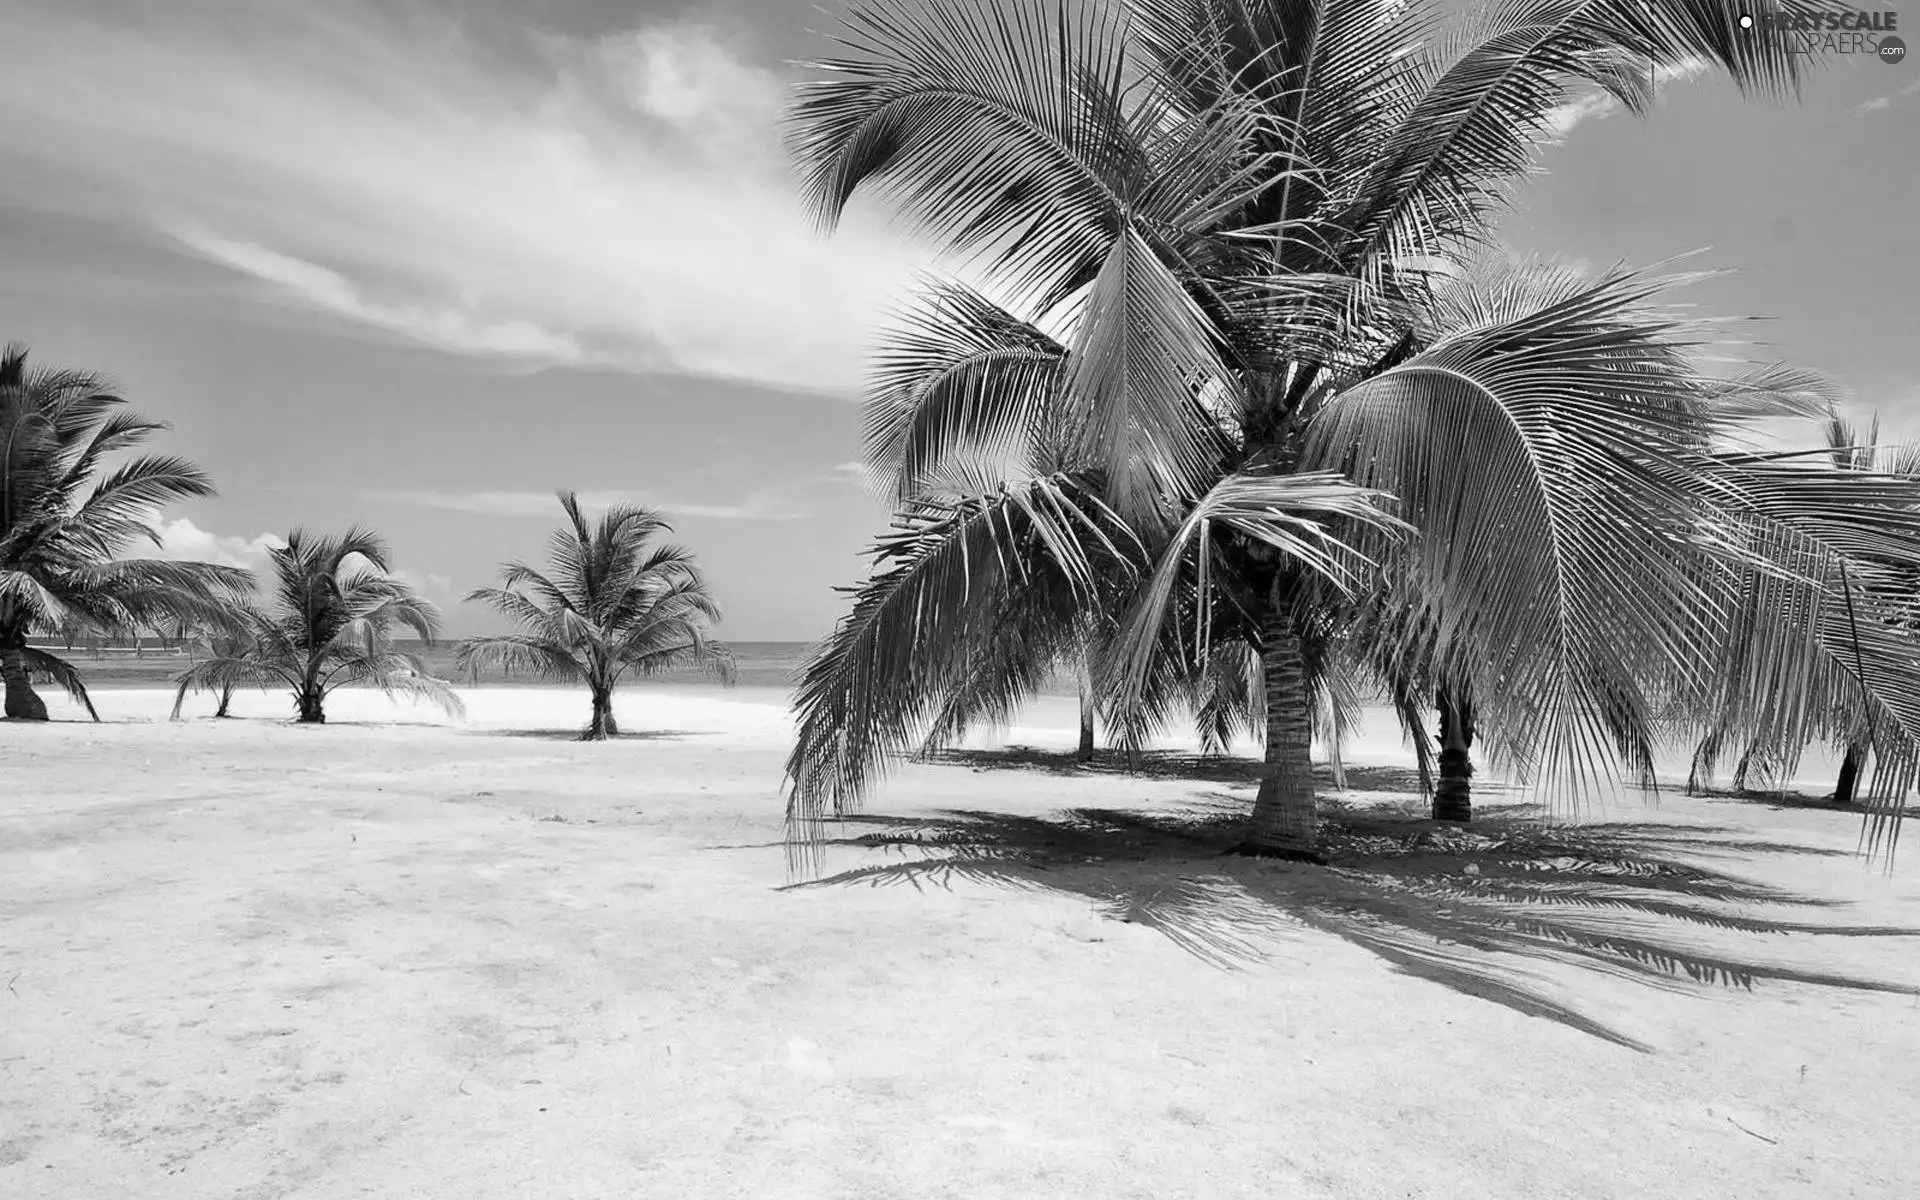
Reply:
x=1779 y=800
x=1162 y=764
x=574 y=734
x=1467 y=908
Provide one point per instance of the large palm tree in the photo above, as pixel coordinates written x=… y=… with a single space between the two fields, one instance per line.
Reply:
x=336 y=610
x=616 y=601
x=1227 y=233
x=66 y=524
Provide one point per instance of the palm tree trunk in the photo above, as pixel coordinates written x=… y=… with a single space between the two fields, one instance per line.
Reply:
x=1085 y=751
x=603 y=725
x=226 y=698
x=1700 y=775
x=23 y=704
x=1453 y=798
x=1741 y=770
x=312 y=707
x=1285 y=822
x=1848 y=787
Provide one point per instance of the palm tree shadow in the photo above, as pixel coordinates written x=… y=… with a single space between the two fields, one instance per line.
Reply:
x=1467 y=908
x=1156 y=764
x=574 y=734
x=1160 y=764
x=1780 y=799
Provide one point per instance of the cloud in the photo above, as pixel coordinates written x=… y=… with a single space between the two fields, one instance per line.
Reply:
x=183 y=541
x=781 y=503
x=426 y=583
x=1599 y=105
x=616 y=201
x=1880 y=103
x=443 y=328
x=852 y=474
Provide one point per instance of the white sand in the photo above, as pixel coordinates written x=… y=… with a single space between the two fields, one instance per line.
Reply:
x=249 y=959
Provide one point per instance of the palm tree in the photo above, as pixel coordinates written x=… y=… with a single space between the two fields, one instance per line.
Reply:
x=1878 y=585
x=1852 y=449
x=1235 y=228
x=231 y=644
x=65 y=527
x=615 y=601
x=337 y=610
x=1085 y=748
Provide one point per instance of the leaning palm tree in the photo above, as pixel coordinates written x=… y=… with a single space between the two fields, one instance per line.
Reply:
x=336 y=610
x=1230 y=232
x=616 y=601
x=65 y=528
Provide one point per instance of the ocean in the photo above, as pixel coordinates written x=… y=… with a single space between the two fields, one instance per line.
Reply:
x=758 y=665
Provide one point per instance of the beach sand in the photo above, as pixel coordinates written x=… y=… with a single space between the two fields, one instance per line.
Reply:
x=397 y=957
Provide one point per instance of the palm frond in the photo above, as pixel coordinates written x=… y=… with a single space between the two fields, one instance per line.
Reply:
x=927 y=616
x=63 y=674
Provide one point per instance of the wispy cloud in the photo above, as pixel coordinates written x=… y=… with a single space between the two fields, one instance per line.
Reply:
x=617 y=201
x=1880 y=103
x=444 y=328
x=1599 y=105
x=790 y=502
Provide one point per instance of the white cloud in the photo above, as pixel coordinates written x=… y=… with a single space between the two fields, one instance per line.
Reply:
x=779 y=503
x=426 y=583
x=1880 y=103
x=618 y=201
x=443 y=328
x=1599 y=105
x=183 y=541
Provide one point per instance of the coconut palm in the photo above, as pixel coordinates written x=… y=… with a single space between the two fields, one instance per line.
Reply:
x=615 y=601
x=66 y=523
x=1885 y=588
x=336 y=610
x=230 y=643
x=1853 y=449
x=1228 y=233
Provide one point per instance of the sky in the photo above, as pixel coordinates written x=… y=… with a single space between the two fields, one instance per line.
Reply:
x=418 y=266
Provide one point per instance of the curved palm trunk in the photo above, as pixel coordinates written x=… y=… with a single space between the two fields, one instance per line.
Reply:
x=1285 y=822
x=1700 y=774
x=1848 y=787
x=603 y=725
x=23 y=703
x=226 y=698
x=1742 y=770
x=1453 y=797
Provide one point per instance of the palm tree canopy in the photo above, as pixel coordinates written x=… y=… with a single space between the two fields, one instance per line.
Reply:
x=615 y=600
x=328 y=619
x=1252 y=365
x=68 y=523
x=1198 y=186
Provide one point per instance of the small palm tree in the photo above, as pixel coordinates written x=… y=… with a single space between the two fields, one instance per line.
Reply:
x=615 y=601
x=64 y=528
x=338 y=609
x=231 y=643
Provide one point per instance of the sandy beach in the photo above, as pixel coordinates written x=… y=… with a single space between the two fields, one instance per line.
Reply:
x=401 y=957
